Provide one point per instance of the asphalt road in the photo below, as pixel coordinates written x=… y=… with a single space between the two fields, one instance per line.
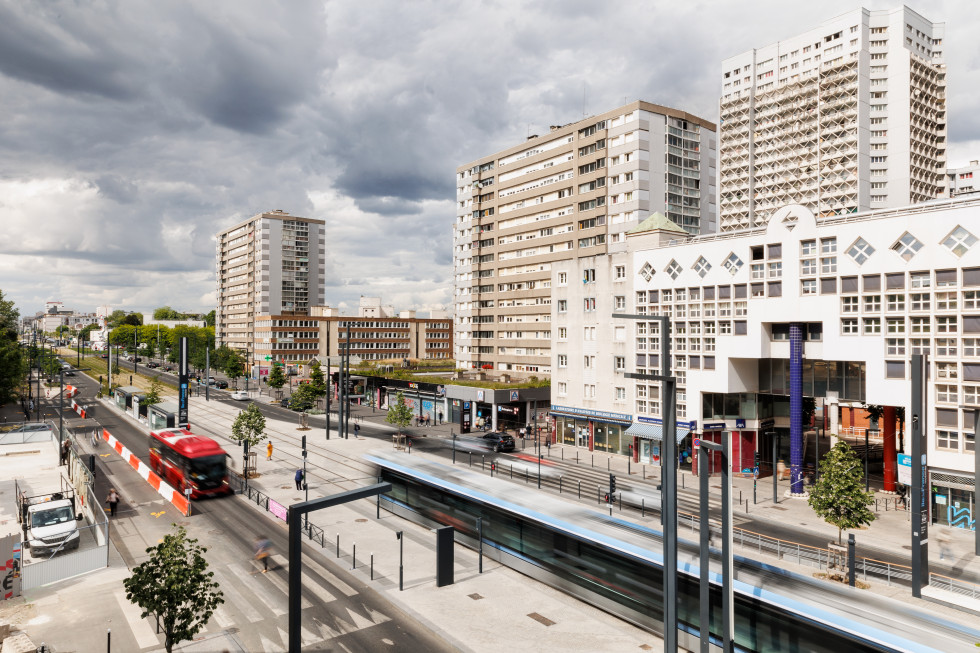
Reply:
x=339 y=611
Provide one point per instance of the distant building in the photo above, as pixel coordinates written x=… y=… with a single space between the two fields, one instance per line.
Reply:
x=270 y=264
x=846 y=117
x=961 y=180
x=170 y=324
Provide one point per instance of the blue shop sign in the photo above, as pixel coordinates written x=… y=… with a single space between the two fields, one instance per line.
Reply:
x=714 y=426
x=740 y=423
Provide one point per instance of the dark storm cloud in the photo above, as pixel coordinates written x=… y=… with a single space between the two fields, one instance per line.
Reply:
x=116 y=188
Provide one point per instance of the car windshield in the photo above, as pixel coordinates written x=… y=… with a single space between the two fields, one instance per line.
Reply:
x=211 y=468
x=506 y=437
x=51 y=516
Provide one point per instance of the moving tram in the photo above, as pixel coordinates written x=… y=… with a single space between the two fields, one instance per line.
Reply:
x=617 y=566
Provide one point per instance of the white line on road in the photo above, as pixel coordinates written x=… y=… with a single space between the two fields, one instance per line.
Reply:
x=141 y=628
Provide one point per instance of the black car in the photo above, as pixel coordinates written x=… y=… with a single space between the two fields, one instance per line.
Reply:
x=498 y=442
x=151 y=365
x=221 y=385
x=284 y=403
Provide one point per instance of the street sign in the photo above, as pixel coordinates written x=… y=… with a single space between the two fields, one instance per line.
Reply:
x=904 y=469
x=740 y=423
x=268 y=358
x=697 y=442
x=755 y=472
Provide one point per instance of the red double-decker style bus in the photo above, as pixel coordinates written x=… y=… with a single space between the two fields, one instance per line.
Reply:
x=185 y=460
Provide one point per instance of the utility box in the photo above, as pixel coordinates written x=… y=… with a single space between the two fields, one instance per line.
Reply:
x=445 y=541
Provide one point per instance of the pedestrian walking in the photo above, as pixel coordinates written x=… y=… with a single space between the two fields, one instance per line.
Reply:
x=65 y=451
x=263 y=548
x=299 y=479
x=439 y=417
x=268 y=451
x=943 y=540
x=357 y=429
x=113 y=501
x=523 y=432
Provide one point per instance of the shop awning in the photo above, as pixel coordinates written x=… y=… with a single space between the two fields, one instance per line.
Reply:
x=653 y=431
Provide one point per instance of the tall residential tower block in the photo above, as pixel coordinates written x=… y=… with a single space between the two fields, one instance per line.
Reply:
x=846 y=117
x=573 y=192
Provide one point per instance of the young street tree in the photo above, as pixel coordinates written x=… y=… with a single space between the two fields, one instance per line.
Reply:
x=153 y=396
x=318 y=385
x=400 y=414
x=839 y=496
x=249 y=426
x=175 y=586
x=277 y=378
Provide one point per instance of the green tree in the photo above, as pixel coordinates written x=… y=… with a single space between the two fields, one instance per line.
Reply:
x=839 y=496
x=318 y=385
x=134 y=319
x=303 y=398
x=166 y=313
x=277 y=378
x=153 y=395
x=84 y=334
x=209 y=319
x=13 y=364
x=400 y=414
x=249 y=426
x=115 y=319
x=175 y=586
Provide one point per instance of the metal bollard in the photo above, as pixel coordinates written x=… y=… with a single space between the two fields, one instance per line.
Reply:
x=580 y=490
x=559 y=485
x=471 y=459
x=483 y=463
x=593 y=460
x=643 y=512
x=598 y=495
x=512 y=470
x=620 y=502
x=609 y=463
x=353 y=557
x=338 y=545
x=372 y=566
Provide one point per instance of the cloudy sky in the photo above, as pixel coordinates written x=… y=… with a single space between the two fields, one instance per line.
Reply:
x=131 y=132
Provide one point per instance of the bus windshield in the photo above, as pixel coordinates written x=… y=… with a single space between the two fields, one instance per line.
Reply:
x=206 y=468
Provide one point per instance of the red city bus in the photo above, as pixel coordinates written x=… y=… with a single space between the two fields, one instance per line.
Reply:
x=185 y=460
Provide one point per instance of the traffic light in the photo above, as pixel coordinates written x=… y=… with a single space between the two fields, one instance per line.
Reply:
x=612 y=484
x=304 y=446
x=756 y=458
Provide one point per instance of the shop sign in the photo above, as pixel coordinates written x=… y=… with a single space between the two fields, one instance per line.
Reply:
x=904 y=469
x=714 y=426
x=740 y=423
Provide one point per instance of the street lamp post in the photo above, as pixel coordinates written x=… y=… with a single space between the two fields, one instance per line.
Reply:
x=775 y=473
x=61 y=411
x=727 y=604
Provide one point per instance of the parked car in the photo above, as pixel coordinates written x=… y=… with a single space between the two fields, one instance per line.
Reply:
x=139 y=359
x=284 y=402
x=212 y=380
x=239 y=395
x=221 y=385
x=152 y=365
x=498 y=442
x=104 y=356
x=69 y=373
x=168 y=368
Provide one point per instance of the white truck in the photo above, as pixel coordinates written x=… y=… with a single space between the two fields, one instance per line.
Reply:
x=50 y=524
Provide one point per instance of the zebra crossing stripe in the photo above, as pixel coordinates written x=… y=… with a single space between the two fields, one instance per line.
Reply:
x=178 y=500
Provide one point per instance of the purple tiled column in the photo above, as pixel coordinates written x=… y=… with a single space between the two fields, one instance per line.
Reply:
x=796 y=332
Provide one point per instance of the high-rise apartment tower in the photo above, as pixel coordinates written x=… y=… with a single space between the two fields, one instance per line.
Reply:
x=271 y=264
x=573 y=192
x=846 y=117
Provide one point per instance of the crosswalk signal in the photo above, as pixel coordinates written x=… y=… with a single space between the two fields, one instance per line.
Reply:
x=756 y=458
x=612 y=484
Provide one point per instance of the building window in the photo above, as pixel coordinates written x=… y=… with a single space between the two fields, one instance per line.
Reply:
x=673 y=269
x=562 y=389
x=907 y=246
x=959 y=241
x=620 y=273
x=948 y=440
x=620 y=363
x=620 y=394
x=733 y=264
x=895 y=303
x=808 y=287
x=872 y=326
x=562 y=305
x=971 y=347
x=895 y=346
x=725 y=328
x=562 y=278
x=849 y=326
x=946 y=393
x=895 y=325
x=849 y=304
x=945 y=346
x=757 y=270
x=828 y=265
x=872 y=303
x=946 y=324
x=945 y=301
x=860 y=251
x=919 y=301
x=776 y=270
x=946 y=371
x=808 y=267
x=647 y=272
x=562 y=360
x=701 y=266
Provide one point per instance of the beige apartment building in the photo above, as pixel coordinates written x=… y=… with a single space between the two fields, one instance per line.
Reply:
x=573 y=192
x=270 y=264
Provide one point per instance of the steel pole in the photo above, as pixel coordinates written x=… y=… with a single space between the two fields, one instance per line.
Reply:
x=61 y=412
x=976 y=476
x=727 y=598
x=328 y=383
x=704 y=623
x=775 y=477
x=867 y=480
x=479 y=533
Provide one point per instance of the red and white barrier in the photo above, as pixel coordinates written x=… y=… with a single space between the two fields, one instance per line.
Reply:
x=178 y=500
x=78 y=408
x=70 y=391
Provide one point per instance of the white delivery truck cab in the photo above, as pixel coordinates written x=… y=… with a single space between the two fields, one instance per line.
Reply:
x=52 y=527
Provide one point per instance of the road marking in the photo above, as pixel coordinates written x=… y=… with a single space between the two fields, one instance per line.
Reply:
x=157 y=514
x=336 y=582
x=237 y=596
x=104 y=455
x=310 y=584
x=141 y=628
x=222 y=618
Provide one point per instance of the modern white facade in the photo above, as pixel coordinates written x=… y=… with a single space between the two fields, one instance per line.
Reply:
x=270 y=264
x=571 y=193
x=846 y=117
x=864 y=292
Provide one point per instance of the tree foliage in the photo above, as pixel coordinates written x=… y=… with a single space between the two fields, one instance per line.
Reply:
x=839 y=496
x=317 y=383
x=277 y=378
x=13 y=364
x=400 y=414
x=166 y=313
x=209 y=319
x=153 y=395
x=249 y=426
x=303 y=398
x=175 y=586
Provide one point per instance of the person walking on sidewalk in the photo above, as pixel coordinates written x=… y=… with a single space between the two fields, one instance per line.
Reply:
x=357 y=429
x=113 y=501
x=268 y=451
x=943 y=540
x=65 y=451
x=299 y=479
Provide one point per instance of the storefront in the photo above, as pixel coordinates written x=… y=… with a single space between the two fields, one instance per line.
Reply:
x=647 y=435
x=594 y=430
x=953 y=499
